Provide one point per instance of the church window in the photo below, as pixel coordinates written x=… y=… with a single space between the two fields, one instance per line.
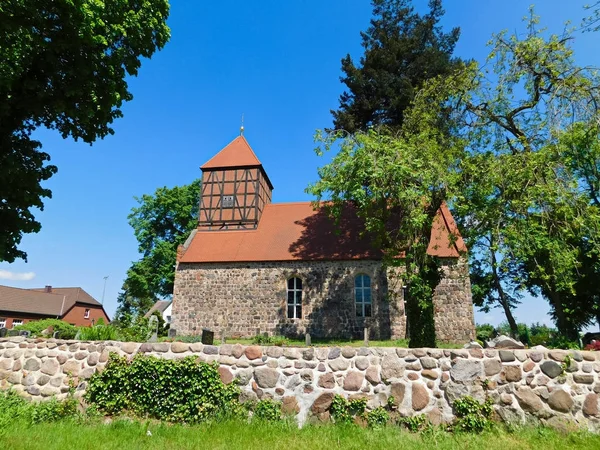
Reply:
x=362 y=295
x=294 y=298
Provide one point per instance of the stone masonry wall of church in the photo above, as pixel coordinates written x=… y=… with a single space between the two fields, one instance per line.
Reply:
x=243 y=299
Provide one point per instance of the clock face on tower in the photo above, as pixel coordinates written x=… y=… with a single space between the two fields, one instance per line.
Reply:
x=235 y=189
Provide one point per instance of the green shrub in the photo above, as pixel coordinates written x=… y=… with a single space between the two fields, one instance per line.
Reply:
x=378 y=417
x=344 y=411
x=265 y=339
x=65 y=330
x=415 y=423
x=98 y=332
x=268 y=410
x=485 y=332
x=183 y=390
x=473 y=416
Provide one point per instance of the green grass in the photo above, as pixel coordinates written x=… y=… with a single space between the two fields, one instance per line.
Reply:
x=329 y=343
x=125 y=434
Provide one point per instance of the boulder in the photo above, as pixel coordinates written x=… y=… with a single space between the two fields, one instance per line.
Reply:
x=391 y=367
x=528 y=400
x=472 y=344
x=590 y=405
x=560 y=400
x=327 y=381
x=503 y=341
x=551 y=369
x=322 y=403
x=466 y=370
x=353 y=381
x=266 y=378
x=420 y=396
x=397 y=391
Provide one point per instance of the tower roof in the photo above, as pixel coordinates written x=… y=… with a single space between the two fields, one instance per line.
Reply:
x=235 y=154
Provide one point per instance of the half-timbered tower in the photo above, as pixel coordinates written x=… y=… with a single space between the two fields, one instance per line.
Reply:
x=235 y=189
x=285 y=268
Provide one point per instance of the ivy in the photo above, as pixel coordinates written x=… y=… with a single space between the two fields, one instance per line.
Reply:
x=268 y=410
x=344 y=411
x=184 y=390
x=473 y=416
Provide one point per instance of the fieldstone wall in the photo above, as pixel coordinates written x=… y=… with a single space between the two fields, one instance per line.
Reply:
x=243 y=299
x=554 y=387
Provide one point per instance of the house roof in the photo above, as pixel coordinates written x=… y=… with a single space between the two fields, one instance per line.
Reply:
x=31 y=301
x=73 y=295
x=237 y=153
x=296 y=232
x=159 y=306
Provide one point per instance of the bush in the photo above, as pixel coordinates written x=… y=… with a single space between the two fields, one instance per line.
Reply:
x=485 y=332
x=183 y=390
x=268 y=410
x=264 y=339
x=98 y=332
x=65 y=330
x=344 y=411
x=378 y=417
x=473 y=416
x=415 y=423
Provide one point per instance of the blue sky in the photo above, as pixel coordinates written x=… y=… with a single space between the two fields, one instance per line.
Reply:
x=278 y=63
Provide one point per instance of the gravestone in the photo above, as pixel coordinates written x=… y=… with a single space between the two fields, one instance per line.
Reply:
x=152 y=329
x=25 y=333
x=172 y=332
x=208 y=337
x=3 y=332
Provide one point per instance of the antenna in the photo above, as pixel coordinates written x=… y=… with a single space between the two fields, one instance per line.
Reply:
x=104 y=289
x=242 y=127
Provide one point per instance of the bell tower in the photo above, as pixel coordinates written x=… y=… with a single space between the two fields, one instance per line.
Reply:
x=235 y=189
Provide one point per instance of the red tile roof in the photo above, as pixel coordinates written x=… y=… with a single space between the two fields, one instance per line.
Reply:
x=235 y=154
x=296 y=232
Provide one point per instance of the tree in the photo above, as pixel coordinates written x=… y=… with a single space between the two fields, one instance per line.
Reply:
x=161 y=223
x=64 y=67
x=402 y=50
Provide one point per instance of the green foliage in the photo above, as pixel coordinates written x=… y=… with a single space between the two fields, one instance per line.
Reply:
x=402 y=50
x=532 y=335
x=15 y=408
x=267 y=410
x=262 y=339
x=132 y=329
x=473 y=416
x=65 y=330
x=377 y=418
x=485 y=332
x=98 y=332
x=344 y=411
x=415 y=423
x=65 y=66
x=184 y=390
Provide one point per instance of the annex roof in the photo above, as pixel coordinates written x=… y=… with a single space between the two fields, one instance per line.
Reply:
x=31 y=301
x=159 y=306
x=237 y=153
x=296 y=232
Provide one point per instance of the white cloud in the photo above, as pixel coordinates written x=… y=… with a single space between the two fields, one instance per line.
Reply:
x=14 y=276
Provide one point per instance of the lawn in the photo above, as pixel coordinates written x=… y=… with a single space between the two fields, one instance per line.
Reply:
x=125 y=434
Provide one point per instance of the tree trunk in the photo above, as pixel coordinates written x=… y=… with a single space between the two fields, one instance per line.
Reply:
x=502 y=299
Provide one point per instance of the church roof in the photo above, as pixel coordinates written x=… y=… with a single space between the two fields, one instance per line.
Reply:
x=237 y=153
x=296 y=232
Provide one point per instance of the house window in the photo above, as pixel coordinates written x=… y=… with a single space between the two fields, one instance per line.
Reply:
x=362 y=295
x=294 y=298
x=2 y=322
x=86 y=315
x=17 y=322
x=168 y=319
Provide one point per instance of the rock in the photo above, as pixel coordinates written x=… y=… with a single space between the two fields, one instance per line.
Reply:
x=348 y=352
x=562 y=424
x=180 y=347
x=583 y=378
x=289 y=405
x=455 y=391
x=353 y=381
x=334 y=353
x=420 y=396
x=253 y=352
x=551 y=369
x=33 y=390
x=127 y=347
x=361 y=363
x=506 y=399
x=413 y=376
x=506 y=356
x=50 y=367
x=513 y=373
x=472 y=344
x=210 y=350
x=431 y=374
x=266 y=378
x=322 y=403
x=558 y=355
x=428 y=363
x=225 y=374
x=391 y=367
x=43 y=379
x=560 y=400
x=306 y=375
x=528 y=400
x=397 y=391
x=327 y=381
x=372 y=375
x=32 y=365
x=93 y=359
x=505 y=342
x=590 y=405
x=87 y=373
x=244 y=376
x=528 y=366
x=511 y=415
x=308 y=354
x=247 y=396
x=81 y=355
x=160 y=347
x=339 y=364
x=466 y=370
x=71 y=367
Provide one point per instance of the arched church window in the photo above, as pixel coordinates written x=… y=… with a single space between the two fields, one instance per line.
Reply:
x=362 y=295
x=294 y=298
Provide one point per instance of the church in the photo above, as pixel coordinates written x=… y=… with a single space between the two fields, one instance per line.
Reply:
x=253 y=266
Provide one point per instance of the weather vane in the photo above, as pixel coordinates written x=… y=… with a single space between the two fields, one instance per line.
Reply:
x=242 y=127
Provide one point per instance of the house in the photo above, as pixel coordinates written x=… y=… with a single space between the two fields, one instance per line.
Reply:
x=164 y=308
x=253 y=266
x=71 y=304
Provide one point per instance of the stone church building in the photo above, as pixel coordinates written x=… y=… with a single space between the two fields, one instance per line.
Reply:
x=253 y=266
